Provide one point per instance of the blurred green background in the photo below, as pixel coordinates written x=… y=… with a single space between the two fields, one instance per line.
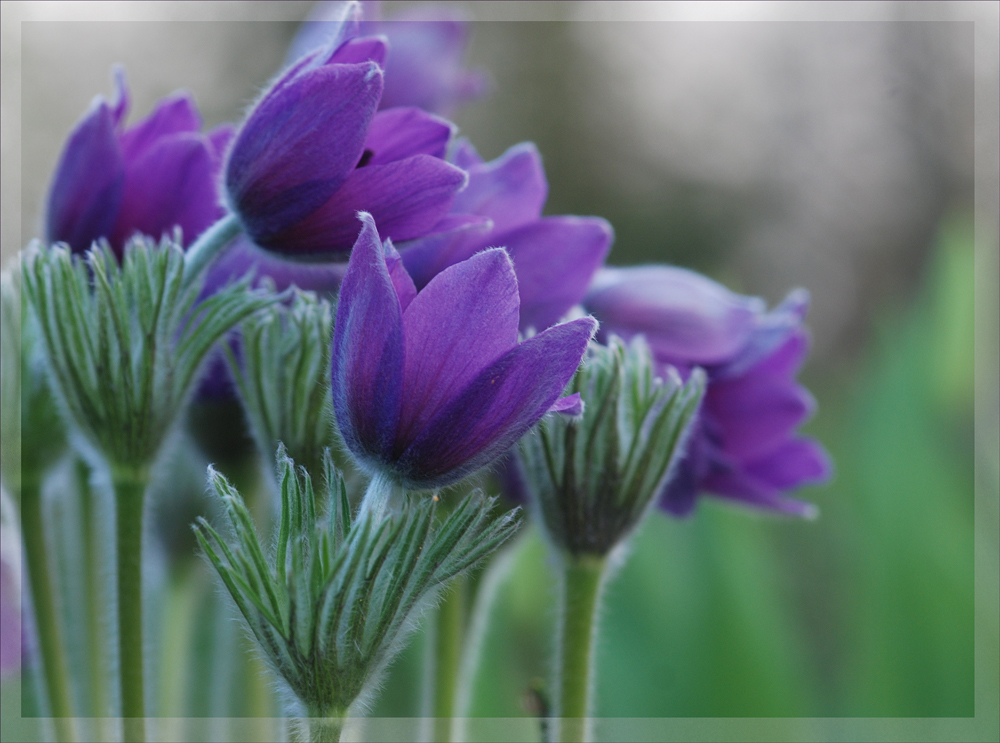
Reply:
x=835 y=156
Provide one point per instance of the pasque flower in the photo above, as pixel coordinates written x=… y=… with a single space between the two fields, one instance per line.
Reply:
x=555 y=257
x=113 y=181
x=425 y=49
x=744 y=446
x=313 y=151
x=429 y=387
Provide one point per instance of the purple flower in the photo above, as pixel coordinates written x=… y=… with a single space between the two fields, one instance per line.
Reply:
x=425 y=49
x=113 y=181
x=555 y=257
x=744 y=445
x=429 y=387
x=313 y=151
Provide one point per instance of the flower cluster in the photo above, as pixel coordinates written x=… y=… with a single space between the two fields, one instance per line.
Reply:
x=380 y=289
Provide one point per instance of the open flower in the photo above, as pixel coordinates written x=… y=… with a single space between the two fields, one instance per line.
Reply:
x=425 y=49
x=113 y=181
x=429 y=387
x=744 y=445
x=312 y=152
x=555 y=257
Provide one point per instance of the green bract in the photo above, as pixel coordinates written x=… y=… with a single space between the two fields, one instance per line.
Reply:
x=283 y=377
x=33 y=435
x=124 y=343
x=593 y=478
x=332 y=605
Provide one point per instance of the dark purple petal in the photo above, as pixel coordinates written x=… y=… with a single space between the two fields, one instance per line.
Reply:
x=555 y=259
x=171 y=183
x=510 y=190
x=683 y=315
x=756 y=413
x=299 y=145
x=401 y=281
x=398 y=133
x=87 y=187
x=406 y=198
x=772 y=331
x=462 y=321
x=367 y=369
x=497 y=408
x=743 y=487
x=174 y=115
x=798 y=461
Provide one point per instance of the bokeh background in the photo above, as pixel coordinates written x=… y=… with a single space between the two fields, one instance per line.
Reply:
x=769 y=152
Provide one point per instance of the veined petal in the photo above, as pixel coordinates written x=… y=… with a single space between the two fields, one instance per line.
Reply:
x=171 y=183
x=173 y=115
x=555 y=259
x=368 y=351
x=398 y=133
x=683 y=315
x=510 y=190
x=497 y=408
x=462 y=321
x=87 y=187
x=406 y=198
x=299 y=145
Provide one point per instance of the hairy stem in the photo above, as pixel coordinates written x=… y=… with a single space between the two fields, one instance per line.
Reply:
x=444 y=658
x=320 y=727
x=50 y=640
x=583 y=576
x=207 y=247
x=130 y=491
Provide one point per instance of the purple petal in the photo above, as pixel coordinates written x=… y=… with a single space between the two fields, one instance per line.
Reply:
x=570 y=405
x=555 y=259
x=87 y=187
x=743 y=487
x=773 y=331
x=462 y=321
x=401 y=281
x=798 y=461
x=174 y=115
x=465 y=155
x=756 y=412
x=497 y=408
x=407 y=198
x=684 y=316
x=122 y=101
x=366 y=49
x=398 y=133
x=220 y=138
x=299 y=145
x=329 y=25
x=243 y=257
x=510 y=190
x=455 y=238
x=172 y=183
x=367 y=369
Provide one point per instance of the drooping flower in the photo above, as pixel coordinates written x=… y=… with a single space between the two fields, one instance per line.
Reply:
x=425 y=50
x=555 y=257
x=429 y=387
x=744 y=446
x=113 y=181
x=313 y=151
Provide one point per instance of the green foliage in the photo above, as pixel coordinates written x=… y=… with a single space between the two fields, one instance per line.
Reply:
x=594 y=478
x=333 y=604
x=33 y=435
x=283 y=378
x=124 y=342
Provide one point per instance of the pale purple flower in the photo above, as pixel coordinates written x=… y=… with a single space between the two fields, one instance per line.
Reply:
x=429 y=387
x=744 y=445
x=113 y=181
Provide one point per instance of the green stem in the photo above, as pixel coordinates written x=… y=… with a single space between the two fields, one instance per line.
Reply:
x=583 y=576
x=50 y=641
x=211 y=242
x=92 y=587
x=444 y=658
x=130 y=491
x=376 y=498
x=322 y=727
